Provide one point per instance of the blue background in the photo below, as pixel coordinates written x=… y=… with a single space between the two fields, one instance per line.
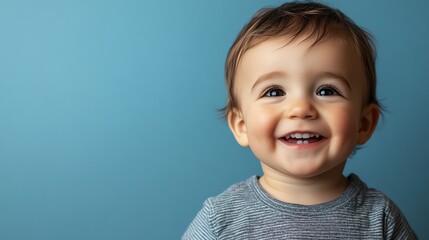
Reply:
x=108 y=114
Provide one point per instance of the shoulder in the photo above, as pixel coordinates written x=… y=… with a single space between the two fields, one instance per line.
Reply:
x=370 y=201
x=220 y=212
x=369 y=197
x=380 y=208
x=231 y=206
x=235 y=197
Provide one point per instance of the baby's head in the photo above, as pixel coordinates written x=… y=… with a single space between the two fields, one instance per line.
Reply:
x=302 y=85
x=314 y=20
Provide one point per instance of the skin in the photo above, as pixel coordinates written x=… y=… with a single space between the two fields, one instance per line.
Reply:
x=285 y=88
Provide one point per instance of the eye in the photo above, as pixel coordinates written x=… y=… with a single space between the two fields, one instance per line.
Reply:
x=274 y=92
x=327 y=90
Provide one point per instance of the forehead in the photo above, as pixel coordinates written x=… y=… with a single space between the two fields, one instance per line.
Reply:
x=301 y=56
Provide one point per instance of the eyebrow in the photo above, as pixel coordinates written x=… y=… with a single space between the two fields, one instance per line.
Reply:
x=336 y=76
x=266 y=77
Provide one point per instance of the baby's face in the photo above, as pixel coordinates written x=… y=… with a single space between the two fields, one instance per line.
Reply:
x=301 y=108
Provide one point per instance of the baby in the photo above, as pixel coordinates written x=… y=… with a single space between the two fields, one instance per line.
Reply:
x=302 y=95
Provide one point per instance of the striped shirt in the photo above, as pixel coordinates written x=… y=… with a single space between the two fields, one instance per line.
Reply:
x=246 y=211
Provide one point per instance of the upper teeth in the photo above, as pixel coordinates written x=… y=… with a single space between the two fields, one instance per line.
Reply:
x=302 y=135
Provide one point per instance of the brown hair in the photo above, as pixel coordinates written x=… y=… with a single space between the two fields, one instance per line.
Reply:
x=293 y=19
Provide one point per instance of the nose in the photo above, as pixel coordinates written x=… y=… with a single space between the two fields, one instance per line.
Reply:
x=301 y=108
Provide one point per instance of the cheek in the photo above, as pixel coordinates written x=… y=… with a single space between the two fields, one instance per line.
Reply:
x=345 y=124
x=260 y=123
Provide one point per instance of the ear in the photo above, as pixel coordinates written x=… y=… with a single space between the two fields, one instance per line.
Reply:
x=368 y=122
x=238 y=127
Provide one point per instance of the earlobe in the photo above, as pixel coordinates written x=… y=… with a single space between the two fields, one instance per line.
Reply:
x=368 y=123
x=238 y=127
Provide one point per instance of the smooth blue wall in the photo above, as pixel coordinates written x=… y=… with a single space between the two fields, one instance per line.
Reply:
x=108 y=122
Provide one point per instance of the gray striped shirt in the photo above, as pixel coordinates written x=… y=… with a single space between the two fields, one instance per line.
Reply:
x=246 y=211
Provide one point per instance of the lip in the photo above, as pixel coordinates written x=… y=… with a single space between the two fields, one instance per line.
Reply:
x=301 y=131
x=309 y=142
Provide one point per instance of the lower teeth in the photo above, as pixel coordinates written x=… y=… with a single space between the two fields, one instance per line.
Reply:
x=302 y=142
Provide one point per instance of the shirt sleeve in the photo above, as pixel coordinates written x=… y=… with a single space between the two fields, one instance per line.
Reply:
x=201 y=226
x=397 y=226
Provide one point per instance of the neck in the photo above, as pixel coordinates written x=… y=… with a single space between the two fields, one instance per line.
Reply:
x=306 y=191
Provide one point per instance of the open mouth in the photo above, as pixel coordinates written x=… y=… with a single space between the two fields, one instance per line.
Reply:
x=302 y=138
